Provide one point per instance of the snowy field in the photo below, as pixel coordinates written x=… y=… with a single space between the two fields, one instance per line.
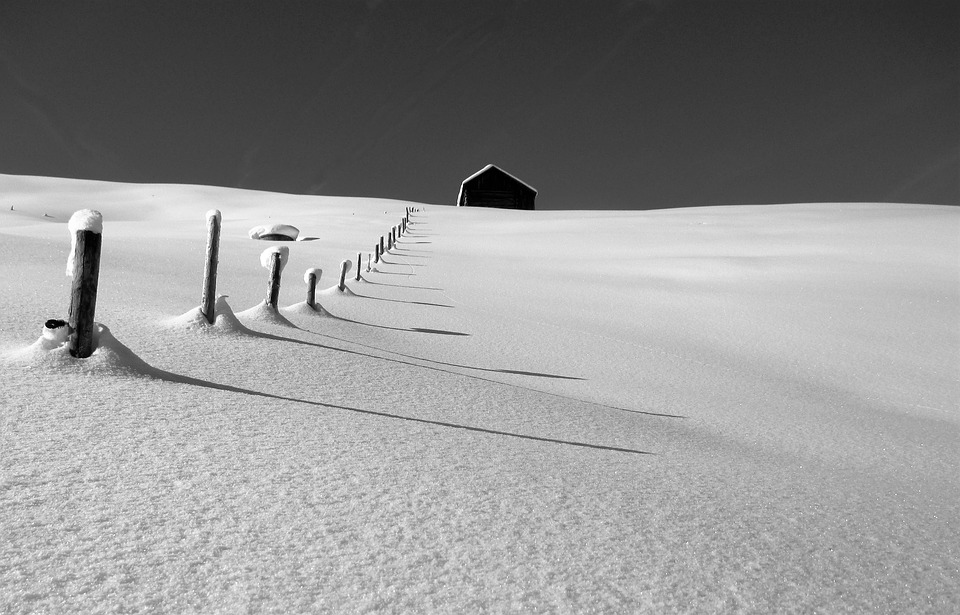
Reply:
x=713 y=409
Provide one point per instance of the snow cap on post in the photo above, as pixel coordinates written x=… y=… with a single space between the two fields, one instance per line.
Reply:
x=316 y=271
x=267 y=254
x=83 y=220
x=213 y=213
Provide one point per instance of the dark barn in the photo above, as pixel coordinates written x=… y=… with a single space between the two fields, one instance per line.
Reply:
x=491 y=186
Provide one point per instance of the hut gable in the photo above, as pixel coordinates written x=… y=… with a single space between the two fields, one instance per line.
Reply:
x=491 y=186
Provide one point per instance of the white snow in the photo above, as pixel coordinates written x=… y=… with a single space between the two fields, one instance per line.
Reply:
x=286 y=230
x=214 y=214
x=86 y=220
x=266 y=257
x=314 y=271
x=714 y=409
x=82 y=220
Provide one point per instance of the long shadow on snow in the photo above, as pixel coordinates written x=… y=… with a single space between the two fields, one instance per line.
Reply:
x=400 y=301
x=131 y=359
x=280 y=338
x=447 y=371
x=400 y=285
x=413 y=329
x=171 y=377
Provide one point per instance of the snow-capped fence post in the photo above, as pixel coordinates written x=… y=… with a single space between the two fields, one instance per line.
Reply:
x=344 y=269
x=209 y=296
x=311 y=277
x=84 y=265
x=274 y=259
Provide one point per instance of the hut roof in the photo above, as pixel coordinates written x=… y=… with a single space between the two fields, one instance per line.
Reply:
x=487 y=168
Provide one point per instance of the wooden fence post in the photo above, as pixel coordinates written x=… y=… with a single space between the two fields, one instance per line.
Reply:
x=274 y=259
x=359 y=260
x=381 y=245
x=344 y=268
x=273 y=289
x=84 y=265
x=209 y=297
x=311 y=277
x=376 y=252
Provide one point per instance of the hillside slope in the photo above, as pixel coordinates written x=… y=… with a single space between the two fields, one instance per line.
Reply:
x=727 y=408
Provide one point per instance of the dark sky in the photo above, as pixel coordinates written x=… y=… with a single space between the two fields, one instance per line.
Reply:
x=599 y=104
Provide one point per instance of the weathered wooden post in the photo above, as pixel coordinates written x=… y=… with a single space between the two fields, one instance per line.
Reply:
x=369 y=258
x=209 y=297
x=376 y=252
x=311 y=277
x=273 y=259
x=344 y=269
x=389 y=241
x=359 y=260
x=84 y=265
x=381 y=245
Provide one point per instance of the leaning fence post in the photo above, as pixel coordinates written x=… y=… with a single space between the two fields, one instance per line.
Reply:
x=344 y=268
x=84 y=265
x=273 y=259
x=311 y=277
x=209 y=297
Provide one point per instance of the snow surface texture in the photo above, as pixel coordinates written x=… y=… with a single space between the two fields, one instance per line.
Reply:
x=83 y=220
x=713 y=409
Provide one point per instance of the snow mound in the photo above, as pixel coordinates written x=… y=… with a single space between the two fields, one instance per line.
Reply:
x=262 y=312
x=225 y=321
x=275 y=232
x=334 y=291
x=303 y=309
x=109 y=357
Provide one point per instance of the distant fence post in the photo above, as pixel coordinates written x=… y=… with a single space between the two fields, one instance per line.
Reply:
x=359 y=260
x=344 y=268
x=87 y=228
x=376 y=252
x=209 y=297
x=381 y=245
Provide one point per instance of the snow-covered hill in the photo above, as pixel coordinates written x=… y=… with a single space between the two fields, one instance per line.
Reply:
x=708 y=409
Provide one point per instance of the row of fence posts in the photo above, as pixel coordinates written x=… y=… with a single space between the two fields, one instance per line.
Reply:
x=87 y=227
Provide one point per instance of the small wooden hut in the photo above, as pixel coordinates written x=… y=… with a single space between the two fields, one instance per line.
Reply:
x=491 y=186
